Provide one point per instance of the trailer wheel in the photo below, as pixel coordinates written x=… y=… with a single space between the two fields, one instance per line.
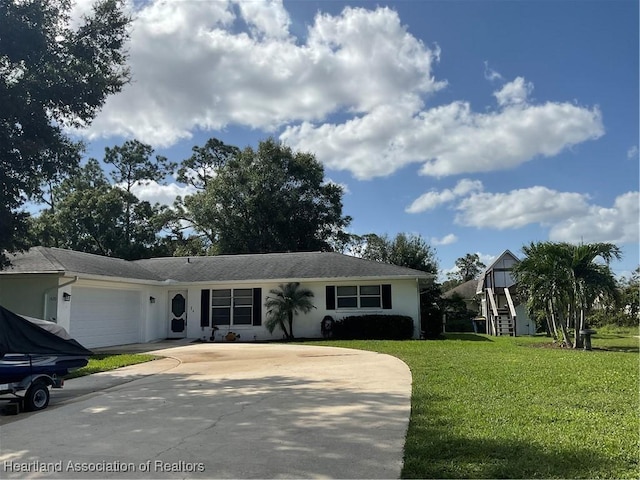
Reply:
x=37 y=397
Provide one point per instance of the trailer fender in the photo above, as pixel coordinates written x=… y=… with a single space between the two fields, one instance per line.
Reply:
x=50 y=381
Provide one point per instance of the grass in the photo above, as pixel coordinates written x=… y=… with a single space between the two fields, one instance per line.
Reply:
x=495 y=407
x=103 y=363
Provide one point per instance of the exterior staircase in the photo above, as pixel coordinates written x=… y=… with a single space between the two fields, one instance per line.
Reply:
x=504 y=324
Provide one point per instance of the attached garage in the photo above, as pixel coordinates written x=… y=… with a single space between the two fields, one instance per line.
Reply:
x=102 y=317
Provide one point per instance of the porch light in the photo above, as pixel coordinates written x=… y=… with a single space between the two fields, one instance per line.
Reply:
x=66 y=296
x=152 y=299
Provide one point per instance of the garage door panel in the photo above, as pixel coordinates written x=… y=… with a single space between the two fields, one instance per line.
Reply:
x=102 y=317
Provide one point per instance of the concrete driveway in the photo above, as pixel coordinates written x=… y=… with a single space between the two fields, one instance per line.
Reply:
x=221 y=411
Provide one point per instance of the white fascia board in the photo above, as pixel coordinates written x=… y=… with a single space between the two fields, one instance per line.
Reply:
x=177 y=283
x=300 y=280
x=106 y=278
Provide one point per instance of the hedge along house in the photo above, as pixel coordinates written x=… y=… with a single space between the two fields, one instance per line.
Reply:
x=499 y=306
x=105 y=301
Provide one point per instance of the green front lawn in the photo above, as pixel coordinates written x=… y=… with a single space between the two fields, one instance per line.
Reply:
x=103 y=363
x=489 y=407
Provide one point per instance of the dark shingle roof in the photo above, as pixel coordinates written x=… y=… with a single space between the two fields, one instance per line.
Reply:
x=221 y=268
x=466 y=290
x=272 y=266
x=52 y=260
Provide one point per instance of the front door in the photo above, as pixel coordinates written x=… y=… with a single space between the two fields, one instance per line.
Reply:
x=178 y=314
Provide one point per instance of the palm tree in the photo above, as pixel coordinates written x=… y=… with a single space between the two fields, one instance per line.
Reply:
x=590 y=280
x=565 y=280
x=287 y=300
x=543 y=278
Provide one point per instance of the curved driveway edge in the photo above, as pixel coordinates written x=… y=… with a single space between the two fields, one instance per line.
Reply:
x=227 y=411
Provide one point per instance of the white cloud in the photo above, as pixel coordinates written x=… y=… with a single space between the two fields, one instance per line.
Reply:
x=618 y=224
x=490 y=74
x=194 y=68
x=153 y=192
x=514 y=93
x=632 y=152
x=487 y=258
x=267 y=18
x=204 y=65
x=447 y=140
x=519 y=208
x=569 y=215
x=446 y=240
x=432 y=199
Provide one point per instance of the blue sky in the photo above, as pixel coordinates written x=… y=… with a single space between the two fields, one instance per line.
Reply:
x=480 y=125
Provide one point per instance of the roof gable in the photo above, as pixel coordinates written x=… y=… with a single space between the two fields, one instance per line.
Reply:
x=505 y=260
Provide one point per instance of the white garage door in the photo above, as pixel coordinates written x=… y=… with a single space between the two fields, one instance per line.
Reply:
x=102 y=317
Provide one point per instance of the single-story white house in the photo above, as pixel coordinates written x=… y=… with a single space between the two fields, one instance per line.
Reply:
x=104 y=301
x=500 y=307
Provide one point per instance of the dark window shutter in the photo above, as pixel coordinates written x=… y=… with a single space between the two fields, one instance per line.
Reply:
x=331 y=297
x=386 y=297
x=205 y=307
x=257 y=307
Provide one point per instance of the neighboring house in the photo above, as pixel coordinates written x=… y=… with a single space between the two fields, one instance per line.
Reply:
x=467 y=292
x=105 y=301
x=497 y=288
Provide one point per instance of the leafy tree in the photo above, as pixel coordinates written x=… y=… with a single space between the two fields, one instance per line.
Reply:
x=413 y=251
x=51 y=77
x=410 y=251
x=287 y=300
x=469 y=267
x=371 y=246
x=133 y=165
x=458 y=316
x=623 y=310
x=93 y=216
x=630 y=297
x=269 y=200
x=205 y=161
x=431 y=308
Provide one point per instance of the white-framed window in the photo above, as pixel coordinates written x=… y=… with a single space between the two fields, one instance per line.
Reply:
x=232 y=306
x=363 y=296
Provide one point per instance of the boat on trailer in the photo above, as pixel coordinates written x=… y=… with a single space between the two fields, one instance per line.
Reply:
x=35 y=355
x=16 y=366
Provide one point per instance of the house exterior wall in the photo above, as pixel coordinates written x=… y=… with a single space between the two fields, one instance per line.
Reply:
x=524 y=325
x=25 y=294
x=405 y=301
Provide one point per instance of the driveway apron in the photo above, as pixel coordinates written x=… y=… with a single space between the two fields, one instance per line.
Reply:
x=226 y=411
